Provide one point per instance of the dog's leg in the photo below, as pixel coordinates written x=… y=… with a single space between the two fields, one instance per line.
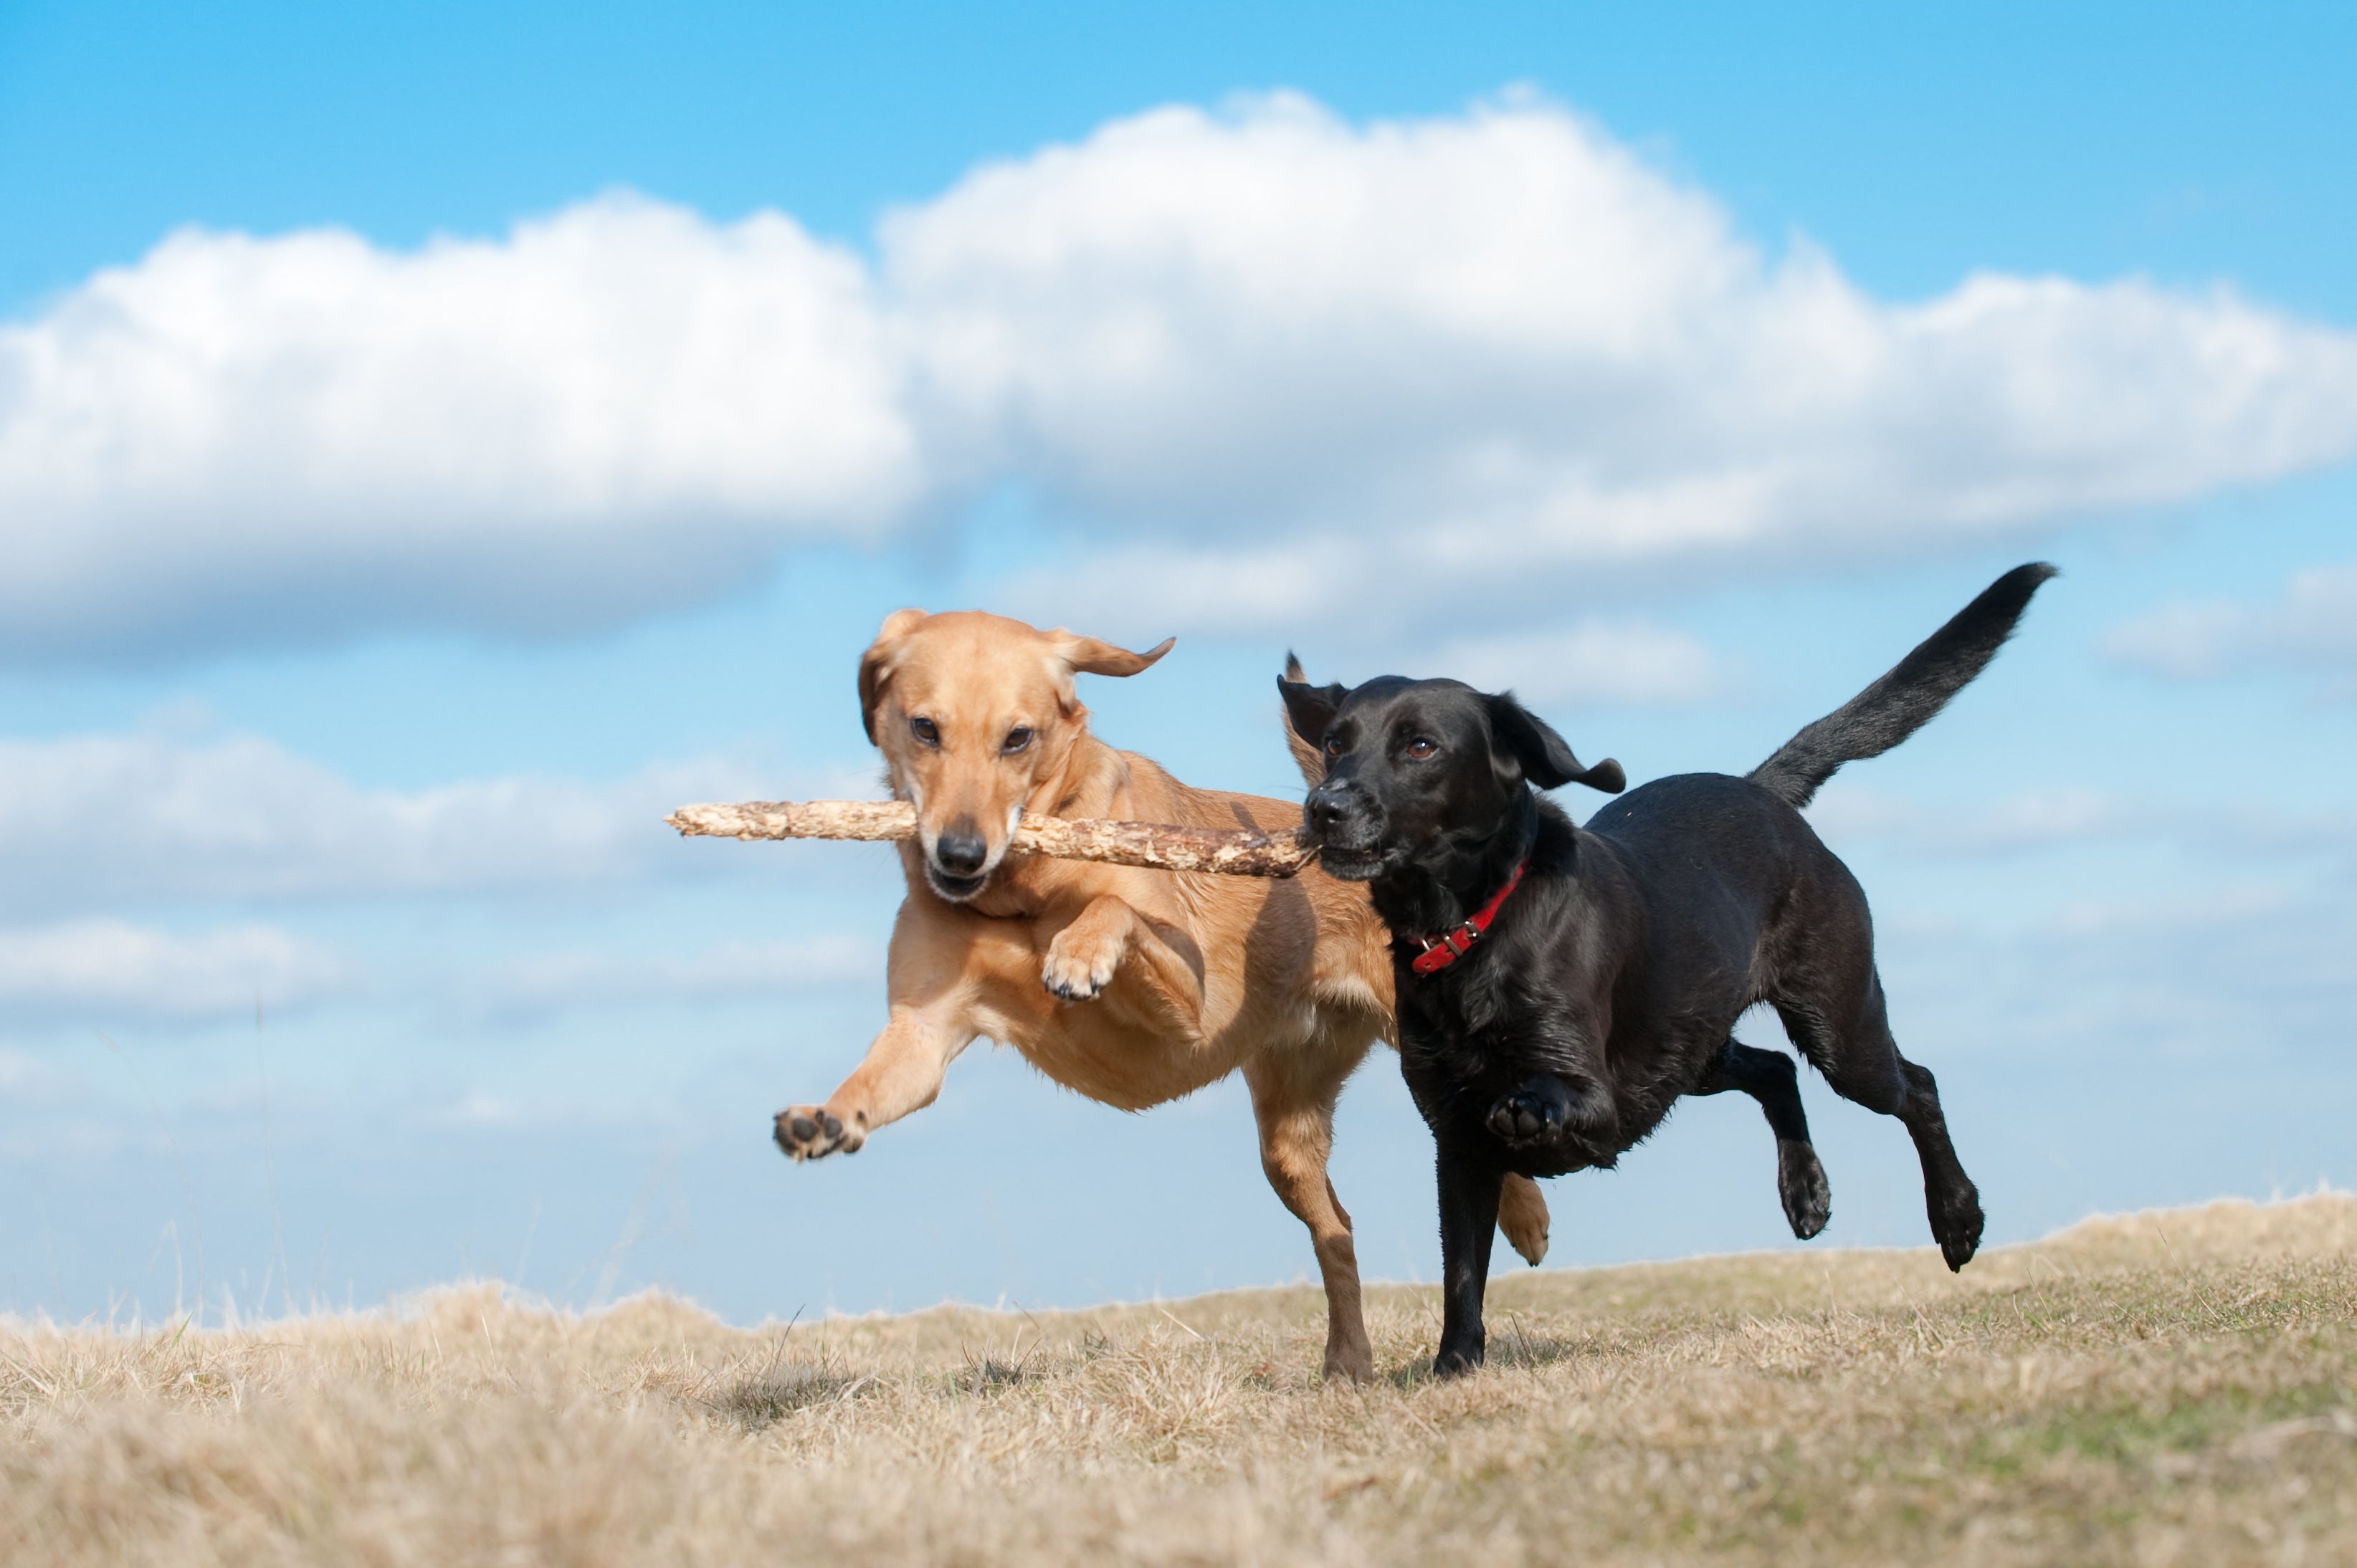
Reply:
x=901 y=1072
x=1468 y=1219
x=1951 y=1201
x=1296 y=1134
x=1863 y=1064
x=1522 y=1216
x=1768 y=1078
x=1084 y=956
x=931 y=975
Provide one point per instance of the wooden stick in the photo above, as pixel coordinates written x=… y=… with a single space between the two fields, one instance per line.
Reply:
x=1230 y=850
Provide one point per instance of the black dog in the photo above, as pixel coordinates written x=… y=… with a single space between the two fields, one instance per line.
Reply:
x=1623 y=952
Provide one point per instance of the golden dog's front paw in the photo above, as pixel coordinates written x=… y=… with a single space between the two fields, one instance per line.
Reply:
x=1080 y=968
x=808 y=1132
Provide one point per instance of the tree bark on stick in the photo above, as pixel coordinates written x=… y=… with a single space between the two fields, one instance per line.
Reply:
x=1159 y=846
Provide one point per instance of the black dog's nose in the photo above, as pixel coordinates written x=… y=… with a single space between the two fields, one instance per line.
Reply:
x=1325 y=809
x=960 y=851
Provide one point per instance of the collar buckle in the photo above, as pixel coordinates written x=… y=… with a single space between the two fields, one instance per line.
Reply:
x=1446 y=949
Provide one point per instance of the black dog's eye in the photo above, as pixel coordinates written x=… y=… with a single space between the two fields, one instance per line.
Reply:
x=1018 y=739
x=1333 y=745
x=926 y=731
x=1421 y=748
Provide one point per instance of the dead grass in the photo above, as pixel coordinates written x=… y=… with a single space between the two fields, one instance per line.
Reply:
x=2171 y=1387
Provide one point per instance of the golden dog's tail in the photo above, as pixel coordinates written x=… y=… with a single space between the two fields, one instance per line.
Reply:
x=1305 y=757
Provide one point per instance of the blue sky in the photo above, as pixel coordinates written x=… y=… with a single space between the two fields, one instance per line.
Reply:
x=433 y=444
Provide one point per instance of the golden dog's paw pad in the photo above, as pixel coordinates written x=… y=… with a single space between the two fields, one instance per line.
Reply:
x=807 y=1132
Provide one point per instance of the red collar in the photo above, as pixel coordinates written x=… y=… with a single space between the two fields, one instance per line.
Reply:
x=1442 y=950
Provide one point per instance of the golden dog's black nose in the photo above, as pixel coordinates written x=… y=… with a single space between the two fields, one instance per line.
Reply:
x=961 y=851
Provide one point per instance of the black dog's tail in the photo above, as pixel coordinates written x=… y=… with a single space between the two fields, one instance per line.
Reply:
x=1903 y=701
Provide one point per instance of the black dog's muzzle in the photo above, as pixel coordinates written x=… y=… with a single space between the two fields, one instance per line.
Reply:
x=1347 y=826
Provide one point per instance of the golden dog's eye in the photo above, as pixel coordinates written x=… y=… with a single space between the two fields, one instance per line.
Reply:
x=926 y=731
x=1018 y=739
x=1421 y=748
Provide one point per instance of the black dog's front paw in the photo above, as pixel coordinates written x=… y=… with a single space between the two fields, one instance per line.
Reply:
x=1549 y=1109
x=1529 y=1115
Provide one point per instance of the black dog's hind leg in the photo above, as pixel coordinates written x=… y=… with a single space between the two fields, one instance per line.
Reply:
x=1469 y=1220
x=1949 y=1196
x=1768 y=1078
x=1863 y=1064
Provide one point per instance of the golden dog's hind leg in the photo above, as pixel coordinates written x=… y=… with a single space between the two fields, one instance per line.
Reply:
x=1296 y=1134
x=1522 y=1216
x=901 y=1072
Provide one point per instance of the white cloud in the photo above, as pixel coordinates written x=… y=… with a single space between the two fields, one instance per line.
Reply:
x=618 y=409
x=95 y=820
x=1846 y=813
x=2312 y=624
x=727 y=972
x=109 y=967
x=25 y=1078
x=2239 y=971
x=1478 y=360
x=1276 y=366
x=1592 y=663
x=2027 y=820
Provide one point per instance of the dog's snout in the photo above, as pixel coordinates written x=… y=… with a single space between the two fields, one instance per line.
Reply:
x=959 y=850
x=1325 y=808
x=1337 y=805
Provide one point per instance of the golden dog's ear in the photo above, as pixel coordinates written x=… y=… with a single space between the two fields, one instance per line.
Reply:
x=1308 y=713
x=876 y=664
x=1307 y=755
x=1094 y=656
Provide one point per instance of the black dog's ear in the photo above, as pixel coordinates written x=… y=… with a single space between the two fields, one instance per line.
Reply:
x=1541 y=755
x=1309 y=709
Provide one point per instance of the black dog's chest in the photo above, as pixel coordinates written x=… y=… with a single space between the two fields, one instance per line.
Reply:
x=1458 y=1044
x=1463 y=1046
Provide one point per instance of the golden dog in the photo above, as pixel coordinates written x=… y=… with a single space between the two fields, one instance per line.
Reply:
x=1132 y=986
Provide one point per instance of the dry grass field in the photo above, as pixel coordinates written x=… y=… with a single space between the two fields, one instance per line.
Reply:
x=2177 y=1388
